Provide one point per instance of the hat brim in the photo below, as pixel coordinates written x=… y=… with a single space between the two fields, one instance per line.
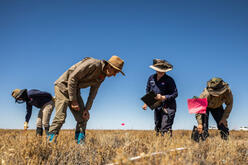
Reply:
x=115 y=68
x=160 y=70
x=218 y=92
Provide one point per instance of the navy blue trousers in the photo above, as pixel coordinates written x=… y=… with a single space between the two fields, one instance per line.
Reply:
x=164 y=120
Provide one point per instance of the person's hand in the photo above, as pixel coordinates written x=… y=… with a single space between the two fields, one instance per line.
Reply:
x=160 y=97
x=144 y=107
x=75 y=106
x=25 y=125
x=199 y=128
x=86 y=115
x=224 y=122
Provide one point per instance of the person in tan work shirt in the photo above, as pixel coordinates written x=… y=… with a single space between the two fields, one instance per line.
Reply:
x=217 y=92
x=91 y=73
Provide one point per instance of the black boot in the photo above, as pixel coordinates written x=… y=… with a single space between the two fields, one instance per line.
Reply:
x=204 y=135
x=195 y=134
x=224 y=135
x=224 y=132
x=39 y=131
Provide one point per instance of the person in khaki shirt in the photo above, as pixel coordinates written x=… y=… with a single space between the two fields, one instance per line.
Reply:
x=217 y=92
x=91 y=73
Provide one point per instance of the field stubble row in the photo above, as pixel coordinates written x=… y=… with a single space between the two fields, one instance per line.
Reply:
x=117 y=146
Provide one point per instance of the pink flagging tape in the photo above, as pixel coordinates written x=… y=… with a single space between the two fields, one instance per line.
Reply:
x=143 y=155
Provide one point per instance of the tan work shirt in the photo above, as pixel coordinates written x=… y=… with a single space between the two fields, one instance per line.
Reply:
x=86 y=73
x=217 y=101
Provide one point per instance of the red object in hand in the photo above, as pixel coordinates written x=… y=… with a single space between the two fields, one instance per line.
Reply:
x=122 y=124
x=197 y=105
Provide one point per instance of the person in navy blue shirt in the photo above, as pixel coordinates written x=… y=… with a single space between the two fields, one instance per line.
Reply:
x=166 y=91
x=39 y=99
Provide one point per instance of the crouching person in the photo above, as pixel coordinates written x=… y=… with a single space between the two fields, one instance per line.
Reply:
x=91 y=73
x=39 y=99
x=217 y=93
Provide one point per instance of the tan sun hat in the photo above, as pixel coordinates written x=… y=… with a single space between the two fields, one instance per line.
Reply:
x=15 y=93
x=117 y=63
x=18 y=93
x=161 y=65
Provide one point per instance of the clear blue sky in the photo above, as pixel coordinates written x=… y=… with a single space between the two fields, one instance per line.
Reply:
x=41 y=39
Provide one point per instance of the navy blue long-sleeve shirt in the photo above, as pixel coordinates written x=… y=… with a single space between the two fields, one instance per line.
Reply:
x=36 y=98
x=164 y=86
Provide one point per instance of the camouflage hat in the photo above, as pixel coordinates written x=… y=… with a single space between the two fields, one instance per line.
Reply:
x=17 y=93
x=161 y=65
x=216 y=86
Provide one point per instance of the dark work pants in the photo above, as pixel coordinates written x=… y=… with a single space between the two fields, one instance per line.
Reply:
x=164 y=120
x=217 y=114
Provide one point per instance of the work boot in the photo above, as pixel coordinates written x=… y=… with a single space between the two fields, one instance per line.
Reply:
x=52 y=137
x=204 y=135
x=79 y=137
x=224 y=135
x=224 y=132
x=195 y=134
x=39 y=131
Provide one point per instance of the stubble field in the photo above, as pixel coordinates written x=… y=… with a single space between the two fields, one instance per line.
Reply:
x=122 y=147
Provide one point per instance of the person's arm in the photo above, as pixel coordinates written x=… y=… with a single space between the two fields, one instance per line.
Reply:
x=148 y=88
x=28 y=115
x=174 y=93
x=86 y=67
x=148 y=85
x=28 y=112
x=229 y=105
x=92 y=95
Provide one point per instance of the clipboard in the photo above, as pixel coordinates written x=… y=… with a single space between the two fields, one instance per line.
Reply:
x=150 y=100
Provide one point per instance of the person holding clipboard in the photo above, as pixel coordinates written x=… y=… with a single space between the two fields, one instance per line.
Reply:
x=162 y=89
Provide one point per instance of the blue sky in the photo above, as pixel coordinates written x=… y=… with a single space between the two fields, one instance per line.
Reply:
x=40 y=40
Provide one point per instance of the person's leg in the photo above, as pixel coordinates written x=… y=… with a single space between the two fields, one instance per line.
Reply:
x=61 y=104
x=47 y=112
x=217 y=115
x=168 y=120
x=205 y=119
x=39 y=130
x=81 y=124
x=157 y=120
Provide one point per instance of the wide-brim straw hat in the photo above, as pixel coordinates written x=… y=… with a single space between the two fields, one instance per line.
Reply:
x=161 y=65
x=17 y=93
x=117 y=63
x=216 y=86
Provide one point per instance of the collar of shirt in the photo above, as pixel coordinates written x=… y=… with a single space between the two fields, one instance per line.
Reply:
x=162 y=78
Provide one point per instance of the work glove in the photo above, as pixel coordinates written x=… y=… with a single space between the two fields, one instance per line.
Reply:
x=25 y=125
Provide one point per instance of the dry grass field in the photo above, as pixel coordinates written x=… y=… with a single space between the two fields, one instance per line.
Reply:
x=118 y=146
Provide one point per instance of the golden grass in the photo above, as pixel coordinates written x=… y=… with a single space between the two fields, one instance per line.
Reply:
x=117 y=146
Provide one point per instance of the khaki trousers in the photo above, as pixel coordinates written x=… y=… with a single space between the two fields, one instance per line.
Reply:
x=61 y=105
x=44 y=115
